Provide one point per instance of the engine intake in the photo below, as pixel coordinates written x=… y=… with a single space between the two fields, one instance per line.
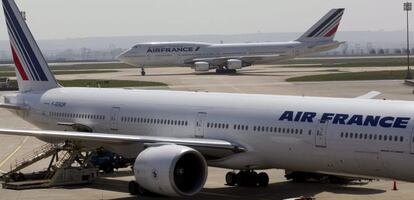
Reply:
x=171 y=170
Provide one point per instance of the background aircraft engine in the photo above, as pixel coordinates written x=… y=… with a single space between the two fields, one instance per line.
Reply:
x=201 y=66
x=171 y=170
x=234 y=64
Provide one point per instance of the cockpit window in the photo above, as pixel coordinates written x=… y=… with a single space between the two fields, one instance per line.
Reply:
x=136 y=46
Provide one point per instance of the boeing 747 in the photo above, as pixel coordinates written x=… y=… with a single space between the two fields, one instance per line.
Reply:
x=203 y=57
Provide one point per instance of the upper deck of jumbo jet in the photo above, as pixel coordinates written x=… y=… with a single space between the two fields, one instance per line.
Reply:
x=178 y=43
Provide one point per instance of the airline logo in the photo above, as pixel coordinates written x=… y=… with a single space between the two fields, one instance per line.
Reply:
x=347 y=119
x=24 y=57
x=328 y=27
x=171 y=49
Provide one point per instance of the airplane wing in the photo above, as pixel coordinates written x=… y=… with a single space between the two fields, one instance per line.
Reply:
x=218 y=61
x=12 y=106
x=208 y=147
x=369 y=95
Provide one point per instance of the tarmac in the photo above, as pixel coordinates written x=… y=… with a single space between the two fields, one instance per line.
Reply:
x=257 y=80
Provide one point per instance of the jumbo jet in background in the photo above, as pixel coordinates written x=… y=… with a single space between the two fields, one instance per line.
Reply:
x=175 y=135
x=231 y=57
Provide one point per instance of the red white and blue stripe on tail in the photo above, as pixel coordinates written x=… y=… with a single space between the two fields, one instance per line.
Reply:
x=326 y=27
x=27 y=57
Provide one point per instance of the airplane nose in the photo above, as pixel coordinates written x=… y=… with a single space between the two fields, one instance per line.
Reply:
x=121 y=57
x=124 y=55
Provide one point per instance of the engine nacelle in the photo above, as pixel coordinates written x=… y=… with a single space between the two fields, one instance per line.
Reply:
x=201 y=66
x=171 y=170
x=234 y=64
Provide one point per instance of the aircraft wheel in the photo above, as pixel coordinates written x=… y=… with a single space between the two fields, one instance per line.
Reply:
x=133 y=188
x=263 y=179
x=220 y=70
x=231 y=179
x=247 y=178
x=143 y=73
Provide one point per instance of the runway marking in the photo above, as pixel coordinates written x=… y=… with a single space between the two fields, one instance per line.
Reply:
x=14 y=152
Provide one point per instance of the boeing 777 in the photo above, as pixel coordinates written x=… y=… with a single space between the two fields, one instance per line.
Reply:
x=174 y=135
x=231 y=57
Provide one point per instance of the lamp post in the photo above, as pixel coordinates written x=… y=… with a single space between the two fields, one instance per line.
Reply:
x=408 y=7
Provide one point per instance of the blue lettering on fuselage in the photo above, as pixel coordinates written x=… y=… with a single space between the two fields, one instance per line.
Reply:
x=172 y=49
x=346 y=119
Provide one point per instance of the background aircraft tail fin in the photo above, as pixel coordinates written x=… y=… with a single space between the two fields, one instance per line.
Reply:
x=326 y=28
x=32 y=70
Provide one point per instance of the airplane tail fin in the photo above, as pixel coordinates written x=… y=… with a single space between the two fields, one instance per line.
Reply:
x=325 y=29
x=32 y=70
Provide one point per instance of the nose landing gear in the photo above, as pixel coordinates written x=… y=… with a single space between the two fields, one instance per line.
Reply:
x=247 y=178
x=143 y=71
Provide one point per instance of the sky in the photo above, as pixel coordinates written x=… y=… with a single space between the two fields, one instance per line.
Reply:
x=62 y=19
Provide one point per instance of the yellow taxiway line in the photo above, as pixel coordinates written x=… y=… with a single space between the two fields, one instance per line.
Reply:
x=12 y=153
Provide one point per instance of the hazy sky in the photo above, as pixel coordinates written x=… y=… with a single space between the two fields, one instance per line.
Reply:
x=56 y=19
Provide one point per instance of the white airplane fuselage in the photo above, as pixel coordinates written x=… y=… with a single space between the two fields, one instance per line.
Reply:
x=283 y=132
x=185 y=54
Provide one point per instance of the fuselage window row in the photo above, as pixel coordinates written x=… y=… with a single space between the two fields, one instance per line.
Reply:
x=154 y=121
x=366 y=136
x=76 y=115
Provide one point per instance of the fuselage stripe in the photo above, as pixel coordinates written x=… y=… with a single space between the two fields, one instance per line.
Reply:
x=19 y=51
x=19 y=65
x=336 y=13
x=19 y=46
x=27 y=46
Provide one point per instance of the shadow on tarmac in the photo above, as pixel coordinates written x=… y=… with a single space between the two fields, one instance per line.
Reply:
x=274 y=191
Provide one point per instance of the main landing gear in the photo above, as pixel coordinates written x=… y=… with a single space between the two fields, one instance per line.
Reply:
x=224 y=70
x=142 y=71
x=248 y=178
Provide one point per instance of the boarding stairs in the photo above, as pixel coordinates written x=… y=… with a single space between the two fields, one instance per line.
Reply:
x=36 y=155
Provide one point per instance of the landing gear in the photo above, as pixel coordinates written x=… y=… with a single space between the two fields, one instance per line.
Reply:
x=223 y=70
x=143 y=71
x=231 y=178
x=262 y=179
x=247 y=178
x=135 y=189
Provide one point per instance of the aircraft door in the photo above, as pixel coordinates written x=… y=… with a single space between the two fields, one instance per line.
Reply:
x=199 y=124
x=320 y=134
x=114 y=118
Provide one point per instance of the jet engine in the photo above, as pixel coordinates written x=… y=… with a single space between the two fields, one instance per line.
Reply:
x=171 y=170
x=201 y=66
x=234 y=64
